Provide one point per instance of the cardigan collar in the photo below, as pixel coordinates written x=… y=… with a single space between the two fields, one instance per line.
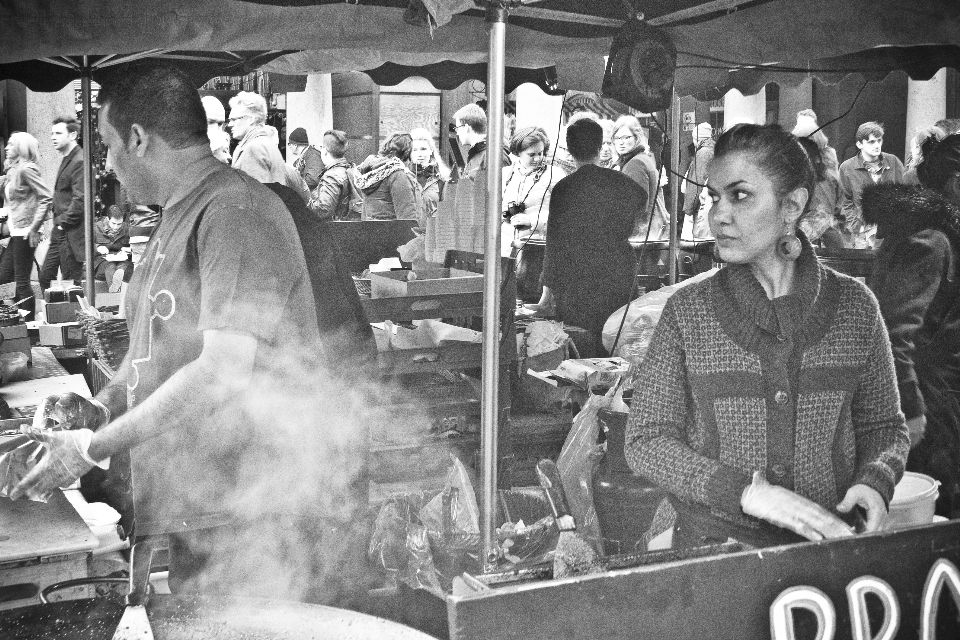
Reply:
x=746 y=312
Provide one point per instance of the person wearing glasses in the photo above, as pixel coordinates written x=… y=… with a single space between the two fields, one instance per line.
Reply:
x=630 y=143
x=470 y=125
x=257 y=154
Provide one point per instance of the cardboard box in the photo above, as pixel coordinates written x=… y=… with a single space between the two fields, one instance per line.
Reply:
x=59 y=312
x=423 y=282
x=64 y=334
x=14 y=331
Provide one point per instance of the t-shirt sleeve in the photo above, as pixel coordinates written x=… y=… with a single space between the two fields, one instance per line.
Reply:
x=246 y=270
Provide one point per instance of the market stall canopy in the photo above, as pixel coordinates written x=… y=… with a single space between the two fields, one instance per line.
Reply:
x=53 y=73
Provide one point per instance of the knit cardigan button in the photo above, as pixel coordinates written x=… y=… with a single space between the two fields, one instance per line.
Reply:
x=781 y=397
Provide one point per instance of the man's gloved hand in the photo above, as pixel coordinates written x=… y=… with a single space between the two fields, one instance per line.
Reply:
x=786 y=509
x=65 y=460
x=70 y=411
x=872 y=503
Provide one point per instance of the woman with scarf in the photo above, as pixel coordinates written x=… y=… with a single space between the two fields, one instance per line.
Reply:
x=916 y=279
x=766 y=404
x=527 y=185
x=26 y=200
x=429 y=168
x=630 y=144
x=390 y=190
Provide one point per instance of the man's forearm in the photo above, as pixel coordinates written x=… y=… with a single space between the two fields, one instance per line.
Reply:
x=194 y=390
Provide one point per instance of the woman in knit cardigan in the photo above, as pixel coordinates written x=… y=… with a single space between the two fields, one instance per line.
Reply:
x=767 y=403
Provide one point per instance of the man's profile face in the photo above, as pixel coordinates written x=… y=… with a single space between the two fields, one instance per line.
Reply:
x=463 y=133
x=240 y=122
x=61 y=137
x=870 y=148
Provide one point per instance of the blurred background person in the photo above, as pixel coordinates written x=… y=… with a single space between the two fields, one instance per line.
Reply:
x=111 y=261
x=307 y=160
x=589 y=267
x=822 y=216
x=916 y=279
x=258 y=152
x=808 y=127
x=26 y=199
x=630 y=144
x=694 y=223
x=335 y=197
x=527 y=185
x=390 y=190
x=608 y=154
x=429 y=168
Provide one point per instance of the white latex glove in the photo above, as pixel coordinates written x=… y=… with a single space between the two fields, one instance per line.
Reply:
x=70 y=411
x=870 y=500
x=65 y=460
x=786 y=509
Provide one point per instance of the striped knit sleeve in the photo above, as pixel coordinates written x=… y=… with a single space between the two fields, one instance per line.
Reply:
x=879 y=426
x=656 y=445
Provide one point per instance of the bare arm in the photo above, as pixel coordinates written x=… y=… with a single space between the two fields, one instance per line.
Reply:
x=221 y=372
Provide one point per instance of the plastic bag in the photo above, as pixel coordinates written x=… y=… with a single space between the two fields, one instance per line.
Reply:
x=643 y=314
x=576 y=463
x=16 y=464
x=425 y=539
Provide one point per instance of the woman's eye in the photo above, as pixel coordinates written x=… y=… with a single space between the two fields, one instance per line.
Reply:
x=714 y=197
x=740 y=195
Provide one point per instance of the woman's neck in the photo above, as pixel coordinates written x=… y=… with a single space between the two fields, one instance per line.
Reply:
x=775 y=275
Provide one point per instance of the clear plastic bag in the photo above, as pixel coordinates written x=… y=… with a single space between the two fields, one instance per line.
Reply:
x=425 y=539
x=16 y=464
x=576 y=463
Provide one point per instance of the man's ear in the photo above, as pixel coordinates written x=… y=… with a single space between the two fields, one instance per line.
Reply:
x=139 y=140
x=793 y=204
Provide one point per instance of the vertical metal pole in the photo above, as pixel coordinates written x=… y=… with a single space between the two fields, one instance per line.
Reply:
x=489 y=409
x=88 y=186
x=675 y=179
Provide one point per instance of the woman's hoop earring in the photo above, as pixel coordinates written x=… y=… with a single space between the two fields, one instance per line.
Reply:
x=788 y=246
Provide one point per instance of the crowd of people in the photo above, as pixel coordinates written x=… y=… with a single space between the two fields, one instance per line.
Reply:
x=779 y=400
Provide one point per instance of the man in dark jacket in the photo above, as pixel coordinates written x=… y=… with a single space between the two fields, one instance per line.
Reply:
x=916 y=279
x=67 y=251
x=309 y=163
x=334 y=196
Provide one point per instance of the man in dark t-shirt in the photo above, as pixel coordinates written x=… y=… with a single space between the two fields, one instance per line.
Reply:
x=588 y=266
x=244 y=448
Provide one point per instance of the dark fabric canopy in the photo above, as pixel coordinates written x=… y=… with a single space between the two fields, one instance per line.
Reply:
x=450 y=75
x=52 y=74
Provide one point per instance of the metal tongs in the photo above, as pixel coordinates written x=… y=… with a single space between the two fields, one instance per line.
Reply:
x=135 y=625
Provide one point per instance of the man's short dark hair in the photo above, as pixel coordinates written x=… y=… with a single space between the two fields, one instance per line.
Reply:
x=584 y=139
x=73 y=125
x=160 y=99
x=335 y=142
x=472 y=116
x=868 y=129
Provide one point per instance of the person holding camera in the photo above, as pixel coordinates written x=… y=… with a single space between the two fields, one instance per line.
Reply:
x=527 y=185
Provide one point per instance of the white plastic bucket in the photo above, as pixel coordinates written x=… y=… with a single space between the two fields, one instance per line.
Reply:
x=913 y=501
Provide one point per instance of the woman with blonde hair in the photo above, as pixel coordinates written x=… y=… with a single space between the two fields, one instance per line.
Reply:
x=432 y=173
x=26 y=199
x=630 y=144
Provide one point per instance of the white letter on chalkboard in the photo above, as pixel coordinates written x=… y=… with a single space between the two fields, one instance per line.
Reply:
x=857 y=592
x=809 y=598
x=942 y=572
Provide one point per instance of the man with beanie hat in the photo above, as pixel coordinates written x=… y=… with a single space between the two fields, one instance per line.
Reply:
x=308 y=161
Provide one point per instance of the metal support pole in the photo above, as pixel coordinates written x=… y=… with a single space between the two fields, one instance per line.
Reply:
x=88 y=184
x=675 y=131
x=489 y=409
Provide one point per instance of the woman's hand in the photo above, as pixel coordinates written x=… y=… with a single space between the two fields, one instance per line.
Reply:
x=870 y=500
x=789 y=510
x=34 y=238
x=102 y=250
